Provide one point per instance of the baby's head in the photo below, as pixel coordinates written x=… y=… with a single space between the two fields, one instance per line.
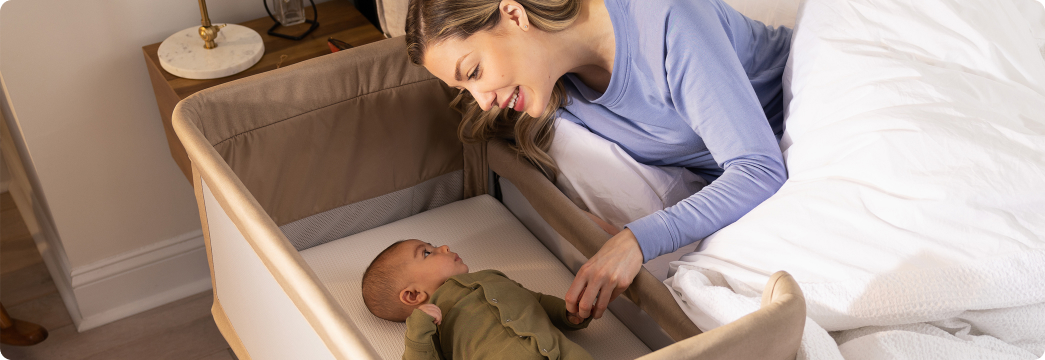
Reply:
x=405 y=275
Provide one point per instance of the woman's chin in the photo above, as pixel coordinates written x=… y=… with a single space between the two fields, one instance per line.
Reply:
x=532 y=113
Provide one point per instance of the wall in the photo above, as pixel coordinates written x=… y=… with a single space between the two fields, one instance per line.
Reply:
x=125 y=229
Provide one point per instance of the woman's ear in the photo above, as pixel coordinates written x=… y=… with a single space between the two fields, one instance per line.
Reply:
x=413 y=297
x=514 y=12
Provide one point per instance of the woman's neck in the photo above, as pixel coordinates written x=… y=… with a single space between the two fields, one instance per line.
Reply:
x=589 y=45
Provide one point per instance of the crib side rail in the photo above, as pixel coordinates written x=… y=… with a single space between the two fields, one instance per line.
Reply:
x=268 y=302
x=569 y=221
x=773 y=332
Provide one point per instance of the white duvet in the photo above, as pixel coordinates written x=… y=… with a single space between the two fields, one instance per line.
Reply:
x=914 y=212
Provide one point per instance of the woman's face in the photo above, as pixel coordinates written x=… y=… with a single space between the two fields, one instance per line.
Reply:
x=506 y=66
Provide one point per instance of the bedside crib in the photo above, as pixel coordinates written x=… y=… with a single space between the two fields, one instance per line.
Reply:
x=303 y=174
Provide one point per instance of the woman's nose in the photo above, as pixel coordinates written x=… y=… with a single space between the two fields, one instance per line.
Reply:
x=486 y=99
x=444 y=249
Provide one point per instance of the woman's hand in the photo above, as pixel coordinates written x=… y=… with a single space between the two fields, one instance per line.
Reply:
x=434 y=311
x=605 y=276
x=573 y=318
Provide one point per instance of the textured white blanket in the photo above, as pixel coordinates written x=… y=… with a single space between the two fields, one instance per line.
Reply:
x=988 y=309
x=914 y=213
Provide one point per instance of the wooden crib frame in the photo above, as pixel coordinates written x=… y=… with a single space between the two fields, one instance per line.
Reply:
x=248 y=139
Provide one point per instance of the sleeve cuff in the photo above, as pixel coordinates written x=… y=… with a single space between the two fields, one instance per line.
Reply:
x=571 y=326
x=655 y=235
x=419 y=331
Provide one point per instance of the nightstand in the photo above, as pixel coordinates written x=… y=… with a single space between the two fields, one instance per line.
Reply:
x=337 y=19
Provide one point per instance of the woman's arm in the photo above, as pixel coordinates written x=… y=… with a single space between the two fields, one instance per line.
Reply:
x=710 y=90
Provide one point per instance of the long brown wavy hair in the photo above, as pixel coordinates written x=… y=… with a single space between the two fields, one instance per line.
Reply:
x=429 y=22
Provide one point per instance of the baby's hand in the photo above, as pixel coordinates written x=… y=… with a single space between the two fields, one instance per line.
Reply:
x=434 y=311
x=573 y=318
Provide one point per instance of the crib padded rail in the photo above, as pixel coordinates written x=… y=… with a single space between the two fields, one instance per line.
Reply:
x=333 y=130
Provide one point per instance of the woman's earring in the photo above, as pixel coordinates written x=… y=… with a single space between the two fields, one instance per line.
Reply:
x=526 y=27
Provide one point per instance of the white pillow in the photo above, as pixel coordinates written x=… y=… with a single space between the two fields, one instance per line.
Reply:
x=601 y=178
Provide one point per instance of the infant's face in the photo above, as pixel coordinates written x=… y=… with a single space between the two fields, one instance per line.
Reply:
x=429 y=266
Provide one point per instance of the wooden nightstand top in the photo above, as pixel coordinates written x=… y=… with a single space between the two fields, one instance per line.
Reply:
x=337 y=19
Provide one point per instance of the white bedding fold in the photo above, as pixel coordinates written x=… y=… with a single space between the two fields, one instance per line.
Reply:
x=1001 y=300
x=914 y=213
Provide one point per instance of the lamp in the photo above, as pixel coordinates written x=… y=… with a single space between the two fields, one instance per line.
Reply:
x=210 y=51
x=291 y=12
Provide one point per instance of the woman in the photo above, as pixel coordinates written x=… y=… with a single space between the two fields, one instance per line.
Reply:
x=688 y=83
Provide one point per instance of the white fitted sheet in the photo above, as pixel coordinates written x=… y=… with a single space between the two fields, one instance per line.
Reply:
x=487 y=236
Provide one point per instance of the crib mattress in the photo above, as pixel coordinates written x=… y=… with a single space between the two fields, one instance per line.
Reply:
x=487 y=236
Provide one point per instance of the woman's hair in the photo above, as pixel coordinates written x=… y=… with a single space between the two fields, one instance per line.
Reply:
x=429 y=22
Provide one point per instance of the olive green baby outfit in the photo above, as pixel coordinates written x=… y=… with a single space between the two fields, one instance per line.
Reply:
x=486 y=315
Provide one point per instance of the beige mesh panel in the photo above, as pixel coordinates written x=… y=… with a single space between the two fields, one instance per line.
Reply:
x=367 y=214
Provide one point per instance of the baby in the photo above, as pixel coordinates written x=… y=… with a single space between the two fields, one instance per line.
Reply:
x=453 y=314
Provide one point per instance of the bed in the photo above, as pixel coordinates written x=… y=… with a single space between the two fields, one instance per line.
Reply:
x=914 y=216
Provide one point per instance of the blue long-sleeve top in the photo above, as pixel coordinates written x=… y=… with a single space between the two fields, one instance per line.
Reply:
x=694 y=84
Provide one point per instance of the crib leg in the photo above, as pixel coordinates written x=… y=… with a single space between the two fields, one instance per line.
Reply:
x=19 y=333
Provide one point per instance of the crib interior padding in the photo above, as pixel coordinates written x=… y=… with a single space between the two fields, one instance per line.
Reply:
x=337 y=130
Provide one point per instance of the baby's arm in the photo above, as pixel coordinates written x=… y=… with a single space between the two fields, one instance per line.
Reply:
x=556 y=309
x=420 y=329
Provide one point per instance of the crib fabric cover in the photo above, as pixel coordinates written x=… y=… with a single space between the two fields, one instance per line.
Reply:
x=386 y=124
x=486 y=236
x=240 y=278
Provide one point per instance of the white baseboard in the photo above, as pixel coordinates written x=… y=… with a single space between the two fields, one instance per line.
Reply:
x=139 y=280
x=113 y=288
x=37 y=219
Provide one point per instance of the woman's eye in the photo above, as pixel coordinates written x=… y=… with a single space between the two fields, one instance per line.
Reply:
x=474 y=73
x=425 y=253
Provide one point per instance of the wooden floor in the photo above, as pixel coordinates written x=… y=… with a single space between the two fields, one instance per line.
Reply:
x=183 y=329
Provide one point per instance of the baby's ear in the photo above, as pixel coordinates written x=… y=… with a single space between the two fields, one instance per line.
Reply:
x=413 y=297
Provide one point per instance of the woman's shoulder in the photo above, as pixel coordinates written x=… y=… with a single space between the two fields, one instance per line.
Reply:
x=648 y=8
x=647 y=20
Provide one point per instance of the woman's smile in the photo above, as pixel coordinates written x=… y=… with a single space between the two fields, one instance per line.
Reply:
x=515 y=101
x=509 y=102
x=518 y=101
